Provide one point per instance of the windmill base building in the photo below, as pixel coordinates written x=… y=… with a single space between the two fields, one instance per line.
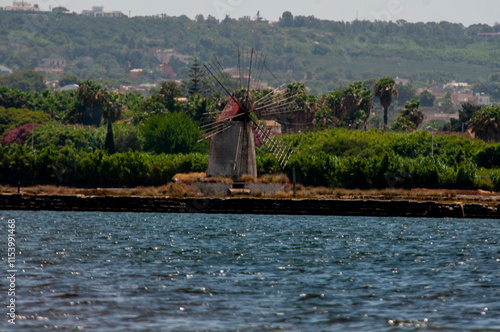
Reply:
x=232 y=152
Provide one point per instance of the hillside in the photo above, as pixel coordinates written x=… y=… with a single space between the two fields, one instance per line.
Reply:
x=322 y=54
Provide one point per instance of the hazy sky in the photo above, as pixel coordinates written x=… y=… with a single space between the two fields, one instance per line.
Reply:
x=460 y=11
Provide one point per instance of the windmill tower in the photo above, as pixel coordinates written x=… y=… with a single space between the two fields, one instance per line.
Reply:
x=249 y=96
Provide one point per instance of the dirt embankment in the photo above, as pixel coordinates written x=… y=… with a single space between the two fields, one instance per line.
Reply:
x=352 y=206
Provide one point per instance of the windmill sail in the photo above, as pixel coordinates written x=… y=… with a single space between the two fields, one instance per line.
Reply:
x=280 y=150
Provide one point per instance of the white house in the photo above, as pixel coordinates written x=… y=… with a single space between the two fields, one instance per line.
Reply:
x=22 y=6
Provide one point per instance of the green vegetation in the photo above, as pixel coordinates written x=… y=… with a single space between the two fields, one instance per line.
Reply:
x=43 y=146
x=170 y=133
x=12 y=118
x=385 y=89
x=323 y=54
x=486 y=123
x=71 y=167
x=374 y=159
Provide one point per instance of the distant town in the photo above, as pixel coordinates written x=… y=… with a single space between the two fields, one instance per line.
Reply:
x=96 y=11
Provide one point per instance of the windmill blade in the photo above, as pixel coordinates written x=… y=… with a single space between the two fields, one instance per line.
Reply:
x=277 y=102
x=211 y=128
x=216 y=129
x=276 y=108
x=274 y=144
x=217 y=79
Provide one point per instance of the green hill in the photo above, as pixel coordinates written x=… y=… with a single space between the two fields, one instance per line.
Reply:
x=323 y=54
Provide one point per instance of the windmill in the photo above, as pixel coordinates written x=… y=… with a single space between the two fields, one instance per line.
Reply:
x=251 y=93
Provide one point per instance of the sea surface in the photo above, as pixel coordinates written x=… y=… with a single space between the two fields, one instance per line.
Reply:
x=199 y=272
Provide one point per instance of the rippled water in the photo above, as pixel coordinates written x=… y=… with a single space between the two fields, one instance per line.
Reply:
x=168 y=272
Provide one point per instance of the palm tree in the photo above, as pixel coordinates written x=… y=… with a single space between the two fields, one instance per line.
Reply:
x=412 y=111
x=403 y=124
x=350 y=105
x=385 y=89
x=485 y=123
x=93 y=100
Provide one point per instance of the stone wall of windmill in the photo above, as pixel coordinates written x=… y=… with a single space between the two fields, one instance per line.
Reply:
x=232 y=152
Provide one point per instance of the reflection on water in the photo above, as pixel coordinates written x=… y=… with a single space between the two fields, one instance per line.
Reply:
x=154 y=272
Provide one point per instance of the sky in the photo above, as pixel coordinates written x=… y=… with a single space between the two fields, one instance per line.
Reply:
x=466 y=12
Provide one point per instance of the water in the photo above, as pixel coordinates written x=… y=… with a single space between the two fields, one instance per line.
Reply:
x=169 y=272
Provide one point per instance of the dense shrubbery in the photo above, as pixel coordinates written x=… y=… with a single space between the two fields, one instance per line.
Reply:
x=18 y=135
x=171 y=133
x=336 y=158
x=71 y=167
x=489 y=156
x=84 y=137
x=373 y=159
x=12 y=118
x=388 y=171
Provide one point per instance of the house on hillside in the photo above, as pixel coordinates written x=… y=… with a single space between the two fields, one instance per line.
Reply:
x=255 y=84
x=401 y=81
x=98 y=11
x=52 y=67
x=458 y=98
x=53 y=63
x=479 y=99
x=22 y=6
x=166 y=71
x=482 y=100
x=456 y=85
x=164 y=56
x=137 y=74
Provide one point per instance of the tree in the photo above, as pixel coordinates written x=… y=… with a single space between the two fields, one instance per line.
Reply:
x=112 y=112
x=195 y=85
x=426 y=98
x=13 y=118
x=69 y=79
x=113 y=108
x=26 y=80
x=412 y=112
x=170 y=133
x=109 y=144
x=464 y=116
x=18 y=135
x=319 y=49
x=348 y=106
x=197 y=106
x=286 y=19
x=163 y=100
x=60 y=9
x=405 y=93
x=199 y=19
x=485 y=123
x=403 y=124
x=305 y=104
x=93 y=99
x=14 y=98
x=385 y=89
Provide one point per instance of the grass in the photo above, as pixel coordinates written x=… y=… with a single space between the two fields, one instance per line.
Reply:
x=182 y=188
x=202 y=177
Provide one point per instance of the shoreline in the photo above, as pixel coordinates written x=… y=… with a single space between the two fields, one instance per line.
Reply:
x=247 y=205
